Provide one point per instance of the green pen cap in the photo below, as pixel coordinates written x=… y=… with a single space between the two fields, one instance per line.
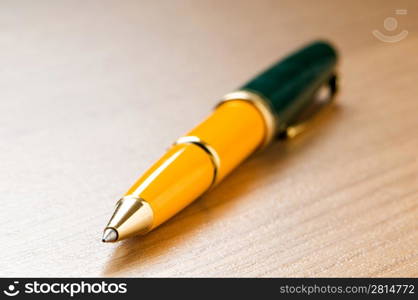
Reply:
x=290 y=85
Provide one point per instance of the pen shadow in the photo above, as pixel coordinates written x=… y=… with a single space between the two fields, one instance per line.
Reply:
x=130 y=255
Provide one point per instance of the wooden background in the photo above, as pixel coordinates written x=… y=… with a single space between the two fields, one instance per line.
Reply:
x=92 y=93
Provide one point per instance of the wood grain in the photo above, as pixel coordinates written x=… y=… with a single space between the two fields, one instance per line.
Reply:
x=92 y=92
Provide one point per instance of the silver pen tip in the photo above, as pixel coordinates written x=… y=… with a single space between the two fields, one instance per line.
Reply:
x=109 y=235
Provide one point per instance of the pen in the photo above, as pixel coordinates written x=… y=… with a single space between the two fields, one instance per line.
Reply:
x=277 y=103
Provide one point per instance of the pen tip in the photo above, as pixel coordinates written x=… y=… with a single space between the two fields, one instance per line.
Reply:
x=109 y=235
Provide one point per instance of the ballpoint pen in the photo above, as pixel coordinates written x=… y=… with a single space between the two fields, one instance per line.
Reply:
x=277 y=103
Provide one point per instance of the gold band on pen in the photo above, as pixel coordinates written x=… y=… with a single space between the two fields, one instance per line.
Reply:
x=263 y=107
x=213 y=155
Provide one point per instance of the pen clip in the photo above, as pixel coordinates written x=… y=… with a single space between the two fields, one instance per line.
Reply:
x=322 y=98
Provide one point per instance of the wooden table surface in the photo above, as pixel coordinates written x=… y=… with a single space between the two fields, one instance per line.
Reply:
x=93 y=92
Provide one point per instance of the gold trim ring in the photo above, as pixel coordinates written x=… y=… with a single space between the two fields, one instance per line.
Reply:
x=213 y=155
x=270 y=120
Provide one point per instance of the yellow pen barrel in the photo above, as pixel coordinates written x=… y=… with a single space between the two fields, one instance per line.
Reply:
x=201 y=159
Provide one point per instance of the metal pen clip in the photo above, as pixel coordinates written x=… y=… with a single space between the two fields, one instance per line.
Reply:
x=322 y=98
